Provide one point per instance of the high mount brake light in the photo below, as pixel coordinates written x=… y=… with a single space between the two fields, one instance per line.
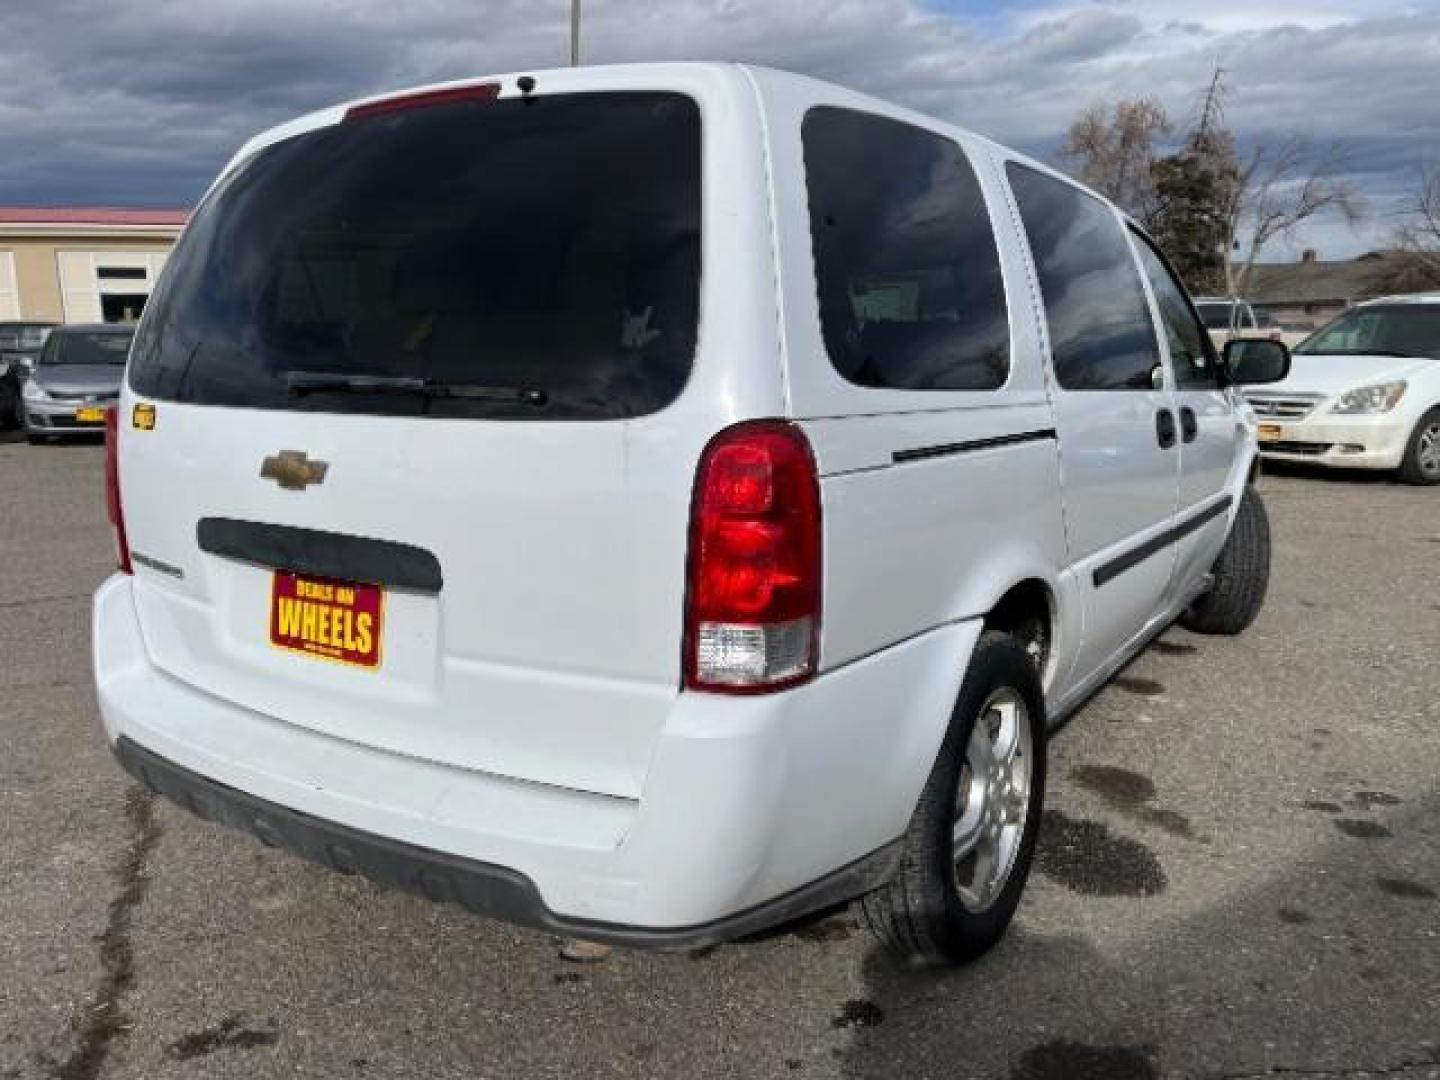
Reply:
x=752 y=620
x=421 y=99
x=112 y=490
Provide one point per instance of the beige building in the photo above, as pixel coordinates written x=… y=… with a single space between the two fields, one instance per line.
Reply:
x=81 y=264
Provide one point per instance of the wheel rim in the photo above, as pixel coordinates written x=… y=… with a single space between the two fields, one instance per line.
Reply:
x=992 y=800
x=1428 y=451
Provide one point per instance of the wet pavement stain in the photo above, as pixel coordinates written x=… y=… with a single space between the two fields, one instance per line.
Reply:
x=1294 y=916
x=1173 y=648
x=1086 y=857
x=1369 y=799
x=1121 y=786
x=1062 y=1059
x=1138 y=684
x=1410 y=890
x=858 y=1013
x=226 y=1035
x=1131 y=793
x=104 y=1018
x=1322 y=806
x=1362 y=830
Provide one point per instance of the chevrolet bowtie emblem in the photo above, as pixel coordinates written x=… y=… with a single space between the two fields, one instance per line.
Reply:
x=293 y=470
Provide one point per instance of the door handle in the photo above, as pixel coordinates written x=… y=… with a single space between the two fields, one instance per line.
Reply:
x=1165 y=428
x=1189 y=426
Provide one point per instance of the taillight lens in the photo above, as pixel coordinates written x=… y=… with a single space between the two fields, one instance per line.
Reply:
x=753 y=617
x=112 y=490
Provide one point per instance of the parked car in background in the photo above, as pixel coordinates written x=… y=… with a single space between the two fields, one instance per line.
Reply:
x=76 y=377
x=1363 y=392
x=628 y=501
x=20 y=343
x=1226 y=318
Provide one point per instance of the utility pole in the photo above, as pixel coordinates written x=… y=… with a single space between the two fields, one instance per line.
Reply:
x=574 y=33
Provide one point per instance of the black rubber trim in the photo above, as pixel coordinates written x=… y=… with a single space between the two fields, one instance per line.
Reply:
x=1134 y=557
x=920 y=453
x=322 y=554
x=483 y=888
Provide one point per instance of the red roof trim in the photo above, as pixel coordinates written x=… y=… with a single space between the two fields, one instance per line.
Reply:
x=90 y=215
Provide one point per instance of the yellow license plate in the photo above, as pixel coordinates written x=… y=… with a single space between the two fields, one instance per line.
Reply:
x=326 y=618
x=1271 y=432
x=90 y=414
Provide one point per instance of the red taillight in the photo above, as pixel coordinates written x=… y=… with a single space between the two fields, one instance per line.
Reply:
x=445 y=96
x=112 y=490
x=753 y=617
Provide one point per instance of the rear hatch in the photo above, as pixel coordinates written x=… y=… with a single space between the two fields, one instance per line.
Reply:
x=411 y=479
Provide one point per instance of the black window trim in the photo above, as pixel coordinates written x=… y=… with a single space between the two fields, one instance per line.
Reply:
x=908 y=397
x=1152 y=301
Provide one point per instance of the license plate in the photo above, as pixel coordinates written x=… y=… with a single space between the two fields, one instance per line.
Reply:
x=90 y=414
x=1270 y=432
x=330 y=619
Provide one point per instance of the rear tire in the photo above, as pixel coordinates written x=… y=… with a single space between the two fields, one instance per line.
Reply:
x=1421 y=464
x=1241 y=574
x=948 y=911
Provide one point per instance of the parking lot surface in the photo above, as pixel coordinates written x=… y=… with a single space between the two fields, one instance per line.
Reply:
x=1238 y=874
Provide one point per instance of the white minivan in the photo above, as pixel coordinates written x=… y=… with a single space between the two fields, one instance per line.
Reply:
x=652 y=503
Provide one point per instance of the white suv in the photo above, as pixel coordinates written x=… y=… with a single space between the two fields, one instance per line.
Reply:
x=655 y=502
x=1364 y=392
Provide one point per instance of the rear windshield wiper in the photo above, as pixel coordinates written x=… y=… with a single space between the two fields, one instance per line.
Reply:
x=300 y=383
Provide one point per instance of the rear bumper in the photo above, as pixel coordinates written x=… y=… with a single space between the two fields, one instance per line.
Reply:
x=1356 y=442
x=754 y=810
x=483 y=888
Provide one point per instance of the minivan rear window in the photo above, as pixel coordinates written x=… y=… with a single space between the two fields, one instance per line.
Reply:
x=521 y=259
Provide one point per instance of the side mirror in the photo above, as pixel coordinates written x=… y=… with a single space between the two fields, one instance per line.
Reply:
x=1252 y=361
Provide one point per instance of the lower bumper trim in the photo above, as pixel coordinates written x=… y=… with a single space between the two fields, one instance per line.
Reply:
x=483 y=888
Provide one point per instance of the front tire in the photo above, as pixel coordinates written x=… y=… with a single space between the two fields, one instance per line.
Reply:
x=1241 y=574
x=971 y=840
x=1421 y=464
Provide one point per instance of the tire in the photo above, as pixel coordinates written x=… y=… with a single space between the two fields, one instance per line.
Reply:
x=1421 y=464
x=925 y=911
x=1241 y=574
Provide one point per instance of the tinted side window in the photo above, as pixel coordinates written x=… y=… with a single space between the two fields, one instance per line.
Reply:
x=907 y=273
x=1101 y=337
x=1191 y=357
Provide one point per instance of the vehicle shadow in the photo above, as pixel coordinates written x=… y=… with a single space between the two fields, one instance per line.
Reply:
x=1298 y=470
x=1289 y=977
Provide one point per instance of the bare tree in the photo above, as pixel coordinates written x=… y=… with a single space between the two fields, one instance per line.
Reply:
x=1112 y=150
x=1278 y=190
x=1417 y=241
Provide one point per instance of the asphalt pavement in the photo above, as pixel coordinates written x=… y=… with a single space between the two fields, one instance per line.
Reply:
x=1238 y=874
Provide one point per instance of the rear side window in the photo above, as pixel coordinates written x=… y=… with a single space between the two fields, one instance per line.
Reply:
x=433 y=261
x=907 y=273
x=1101 y=337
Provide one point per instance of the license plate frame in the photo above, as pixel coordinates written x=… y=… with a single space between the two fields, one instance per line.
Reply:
x=308 y=615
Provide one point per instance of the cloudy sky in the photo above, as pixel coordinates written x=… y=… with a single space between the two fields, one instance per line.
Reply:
x=141 y=101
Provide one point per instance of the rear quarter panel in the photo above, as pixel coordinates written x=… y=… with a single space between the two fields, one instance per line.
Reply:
x=914 y=545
